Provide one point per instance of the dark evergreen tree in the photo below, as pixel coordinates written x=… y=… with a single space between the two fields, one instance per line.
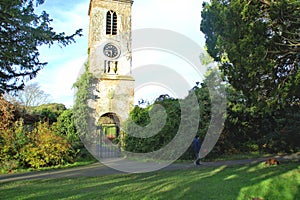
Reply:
x=22 y=31
x=257 y=45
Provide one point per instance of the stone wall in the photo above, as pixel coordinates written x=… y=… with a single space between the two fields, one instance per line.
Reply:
x=117 y=96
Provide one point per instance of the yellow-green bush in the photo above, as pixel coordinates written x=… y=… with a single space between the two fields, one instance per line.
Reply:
x=34 y=145
x=34 y=148
x=45 y=148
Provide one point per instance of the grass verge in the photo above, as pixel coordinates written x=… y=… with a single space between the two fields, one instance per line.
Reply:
x=234 y=182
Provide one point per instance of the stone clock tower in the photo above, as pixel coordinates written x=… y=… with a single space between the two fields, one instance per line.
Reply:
x=110 y=59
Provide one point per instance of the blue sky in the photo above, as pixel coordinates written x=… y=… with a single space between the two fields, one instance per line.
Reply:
x=64 y=63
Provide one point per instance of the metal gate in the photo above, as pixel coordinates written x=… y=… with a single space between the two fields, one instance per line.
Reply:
x=105 y=147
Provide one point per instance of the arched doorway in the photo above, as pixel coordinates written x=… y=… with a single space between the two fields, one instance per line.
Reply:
x=110 y=125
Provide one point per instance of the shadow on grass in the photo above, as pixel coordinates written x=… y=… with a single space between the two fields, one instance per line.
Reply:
x=234 y=182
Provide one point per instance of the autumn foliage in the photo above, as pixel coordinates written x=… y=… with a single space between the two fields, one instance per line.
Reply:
x=37 y=145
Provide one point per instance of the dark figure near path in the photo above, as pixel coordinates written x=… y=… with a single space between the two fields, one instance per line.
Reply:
x=197 y=146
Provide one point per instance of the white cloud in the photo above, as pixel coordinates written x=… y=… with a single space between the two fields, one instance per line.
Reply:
x=159 y=72
x=178 y=16
x=181 y=16
x=58 y=82
x=64 y=63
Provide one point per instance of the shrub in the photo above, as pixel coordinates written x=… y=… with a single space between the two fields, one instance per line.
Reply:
x=48 y=112
x=37 y=148
x=34 y=145
x=6 y=113
x=12 y=140
x=66 y=126
x=45 y=148
x=140 y=116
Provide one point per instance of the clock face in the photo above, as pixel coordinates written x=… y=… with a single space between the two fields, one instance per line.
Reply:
x=110 y=50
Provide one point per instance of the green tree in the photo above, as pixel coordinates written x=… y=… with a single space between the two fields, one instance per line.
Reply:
x=84 y=86
x=149 y=138
x=66 y=126
x=22 y=31
x=257 y=45
x=48 y=112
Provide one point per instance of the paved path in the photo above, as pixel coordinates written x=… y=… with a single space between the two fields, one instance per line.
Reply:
x=98 y=169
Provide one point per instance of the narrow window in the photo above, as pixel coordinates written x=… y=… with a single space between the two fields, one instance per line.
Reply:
x=108 y=23
x=114 y=24
x=111 y=23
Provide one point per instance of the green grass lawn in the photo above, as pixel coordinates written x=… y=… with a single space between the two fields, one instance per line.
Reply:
x=225 y=183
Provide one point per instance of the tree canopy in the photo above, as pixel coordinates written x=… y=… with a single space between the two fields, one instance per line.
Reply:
x=22 y=31
x=257 y=44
